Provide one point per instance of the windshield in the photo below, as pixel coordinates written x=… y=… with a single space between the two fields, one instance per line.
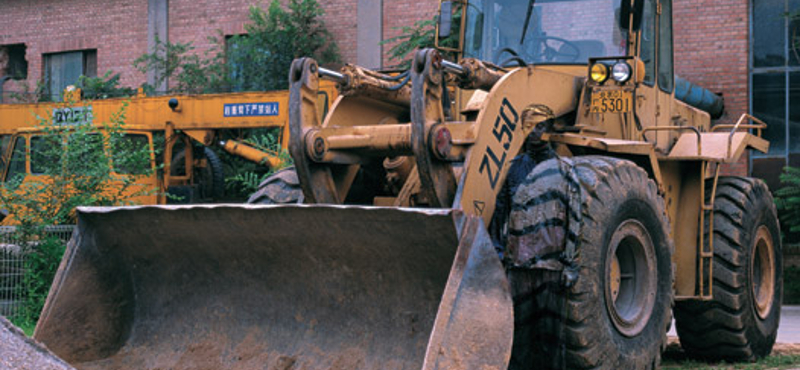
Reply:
x=551 y=31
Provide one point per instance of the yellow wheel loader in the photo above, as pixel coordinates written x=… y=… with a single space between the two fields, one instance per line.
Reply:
x=553 y=211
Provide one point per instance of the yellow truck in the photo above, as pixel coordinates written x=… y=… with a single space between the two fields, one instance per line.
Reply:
x=182 y=120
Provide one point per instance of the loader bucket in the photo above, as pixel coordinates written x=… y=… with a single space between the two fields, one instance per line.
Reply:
x=279 y=288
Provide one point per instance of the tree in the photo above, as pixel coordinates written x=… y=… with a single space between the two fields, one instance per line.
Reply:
x=80 y=164
x=190 y=72
x=261 y=59
x=422 y=35
x=256 y=61
x=787 y=199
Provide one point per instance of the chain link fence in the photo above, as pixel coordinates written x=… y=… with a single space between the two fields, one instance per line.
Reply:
x=12 y=267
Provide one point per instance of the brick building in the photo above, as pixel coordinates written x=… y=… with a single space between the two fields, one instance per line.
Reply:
x=738 y=48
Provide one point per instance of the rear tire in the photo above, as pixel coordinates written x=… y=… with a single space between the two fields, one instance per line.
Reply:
x=281 y=187
x=741 y=322
x=616 y=314
x=210 y=180
x=212 y=177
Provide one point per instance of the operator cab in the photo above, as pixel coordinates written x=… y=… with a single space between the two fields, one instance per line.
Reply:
x=521 y=32
x=623 y=47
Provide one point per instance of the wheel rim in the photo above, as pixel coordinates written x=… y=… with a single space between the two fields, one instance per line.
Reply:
x=762 y=272
x=630 y=278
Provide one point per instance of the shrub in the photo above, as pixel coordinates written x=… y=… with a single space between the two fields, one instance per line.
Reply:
x=257 y=61
x=787 y=199
x=75 y=166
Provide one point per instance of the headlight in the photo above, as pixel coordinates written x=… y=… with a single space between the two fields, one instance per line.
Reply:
x=621 y=72
x=599 y=73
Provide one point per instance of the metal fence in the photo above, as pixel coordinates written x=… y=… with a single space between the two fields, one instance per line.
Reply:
x=12 y=267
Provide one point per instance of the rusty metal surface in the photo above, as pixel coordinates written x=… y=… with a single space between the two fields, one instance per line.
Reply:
x=277 y=287
x=716 y=146
x=436 y=176
x=375 y=85
x=20 y=352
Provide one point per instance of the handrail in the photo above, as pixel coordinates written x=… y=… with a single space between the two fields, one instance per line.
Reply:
x=735 y=128
x=676 y=128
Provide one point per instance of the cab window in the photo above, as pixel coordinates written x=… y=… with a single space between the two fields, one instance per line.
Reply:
x=86 y=152
x=5 y=140
x=648 y=50
x=43 y=154
x=665 y=77
x=16 y=167
x=128 y=151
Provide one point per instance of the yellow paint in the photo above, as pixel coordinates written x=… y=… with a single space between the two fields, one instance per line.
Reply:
x=196 y=118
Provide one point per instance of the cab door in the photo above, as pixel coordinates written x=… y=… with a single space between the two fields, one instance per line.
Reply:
x=16 y=163
x=139 y=185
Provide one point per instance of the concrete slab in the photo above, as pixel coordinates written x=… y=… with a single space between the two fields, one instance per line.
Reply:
x=788 y=331
x=20 y=352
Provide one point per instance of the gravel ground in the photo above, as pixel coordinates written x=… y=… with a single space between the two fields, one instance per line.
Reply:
x=19 y=352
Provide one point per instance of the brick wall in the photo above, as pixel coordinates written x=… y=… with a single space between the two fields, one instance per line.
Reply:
x=48 y=26
x=400 y=13
x=711 y=50
x=118 y=30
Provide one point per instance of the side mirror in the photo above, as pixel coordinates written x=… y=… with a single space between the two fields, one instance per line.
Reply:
x=445 y=18
x=628 y=9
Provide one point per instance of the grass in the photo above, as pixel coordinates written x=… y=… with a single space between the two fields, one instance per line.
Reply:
x=26 y=326
x=772 y=362
x=784 y=356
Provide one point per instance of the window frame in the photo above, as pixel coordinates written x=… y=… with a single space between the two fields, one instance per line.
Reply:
x=651 y=69
x=786 y=69
x=88 y=68
x=13 y=150
x=665 y=62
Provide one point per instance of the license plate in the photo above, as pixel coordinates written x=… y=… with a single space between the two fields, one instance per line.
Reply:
x=611 y=101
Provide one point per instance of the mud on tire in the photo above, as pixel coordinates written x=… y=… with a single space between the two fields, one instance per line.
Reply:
x=741 y=322
x=616 y=314
x=281 y=187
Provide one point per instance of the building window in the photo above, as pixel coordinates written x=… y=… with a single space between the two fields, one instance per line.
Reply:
x=64 y=69
x=12 y=61
x=775 y=85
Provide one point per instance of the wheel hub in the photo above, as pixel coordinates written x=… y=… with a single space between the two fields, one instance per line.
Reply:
x=762 y=272
x=630 y=278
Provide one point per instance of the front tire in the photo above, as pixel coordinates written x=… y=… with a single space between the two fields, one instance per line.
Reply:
x=616 y=314
x=741 y=321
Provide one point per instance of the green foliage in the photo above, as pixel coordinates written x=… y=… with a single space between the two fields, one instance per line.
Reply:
x=674 y=358
x=419 y=36
x=30 y=95
x=76 y=164
x=188 y=71
x=773 y=362
x=73 y=162
x=257 y=61
x=41 y=263
x=791 y=285
x=260 y=60
x=103 y=87
x=787 y=198
x=248 y=175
